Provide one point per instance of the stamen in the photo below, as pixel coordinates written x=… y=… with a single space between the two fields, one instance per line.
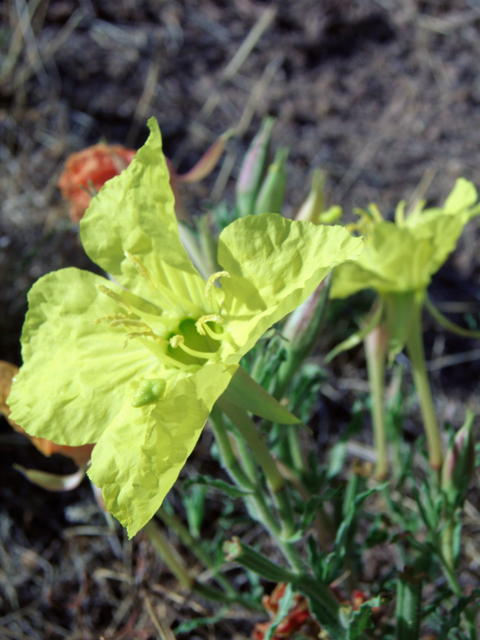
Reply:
x=142 y=269
x=115 y=296
x=129 y=323
x=212 y=279
x=109 y=317
x=179 y=341
x=163 y=357
x=204 y=319
x=168 y=297
x=148 y=333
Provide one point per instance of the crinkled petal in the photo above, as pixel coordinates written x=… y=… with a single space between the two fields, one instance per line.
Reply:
x=274 y=265
x=75 y=372
x=134 y=212
x=140 y=455
x=399 y=259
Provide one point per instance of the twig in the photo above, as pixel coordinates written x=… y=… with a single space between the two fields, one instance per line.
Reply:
x=163 y=630
x=146 y=97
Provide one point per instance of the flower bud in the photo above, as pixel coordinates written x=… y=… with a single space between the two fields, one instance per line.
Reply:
x=207 y=162
x=313 y=209
x=253 y=169
x=304 y=324
x=459 y=464
x=272 y=192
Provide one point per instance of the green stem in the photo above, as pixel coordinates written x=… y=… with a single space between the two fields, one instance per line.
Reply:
x=169 y=555
x=376 y=353
x=275 y=480
x=172 y=522
x=256 y=503
x=446 y=541
x=230 y=460
x=179 y=570
x=422 y=384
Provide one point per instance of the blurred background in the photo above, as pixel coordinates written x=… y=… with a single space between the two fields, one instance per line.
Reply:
x=383 y=95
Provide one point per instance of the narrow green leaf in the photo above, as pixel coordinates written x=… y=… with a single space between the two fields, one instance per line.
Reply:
x=283 y=608
x=359 y=336
x=229 y=489
x=248 y=394
x=409 y=604
x=448 y=324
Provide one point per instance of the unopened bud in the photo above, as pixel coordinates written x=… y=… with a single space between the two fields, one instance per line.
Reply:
x=305 y=323
x=313 y=209
x=459 y=464
x=272 y=192
x=253 y=169
x=207 y=162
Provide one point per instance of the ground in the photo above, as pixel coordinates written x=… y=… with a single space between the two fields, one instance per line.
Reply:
x=383 y=95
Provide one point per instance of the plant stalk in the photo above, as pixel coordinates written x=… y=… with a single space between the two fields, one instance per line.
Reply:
x=422 y=384
x=376 y=344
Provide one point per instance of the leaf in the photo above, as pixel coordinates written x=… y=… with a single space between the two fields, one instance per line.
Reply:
x=229 y=489
x=284 y=607
x=359 y=336
x=250 y=396
x=361 y=618
x=191 y=625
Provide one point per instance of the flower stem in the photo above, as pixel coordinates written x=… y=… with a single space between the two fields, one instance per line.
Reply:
x=256 y=504
x=175 y=563
x=422 y=384
x=275 y=480
x=172 y=522
x=375 y=352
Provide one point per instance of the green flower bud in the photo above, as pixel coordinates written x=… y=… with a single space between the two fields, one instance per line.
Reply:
x=272 y=192
x=459 y=464
x=253 y=169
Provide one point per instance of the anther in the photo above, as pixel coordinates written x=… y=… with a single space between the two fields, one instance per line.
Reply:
x=212 y=279
x=201 y=323
x=141 y=268
x=110 y=317
x=115 y=296
x=142 y=334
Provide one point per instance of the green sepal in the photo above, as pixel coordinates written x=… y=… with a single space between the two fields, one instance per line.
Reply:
x=244 y=392
x=253 y=169
x=272 y=193
x=401 y=314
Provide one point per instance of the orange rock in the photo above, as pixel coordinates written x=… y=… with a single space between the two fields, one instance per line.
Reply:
x=88 y=170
